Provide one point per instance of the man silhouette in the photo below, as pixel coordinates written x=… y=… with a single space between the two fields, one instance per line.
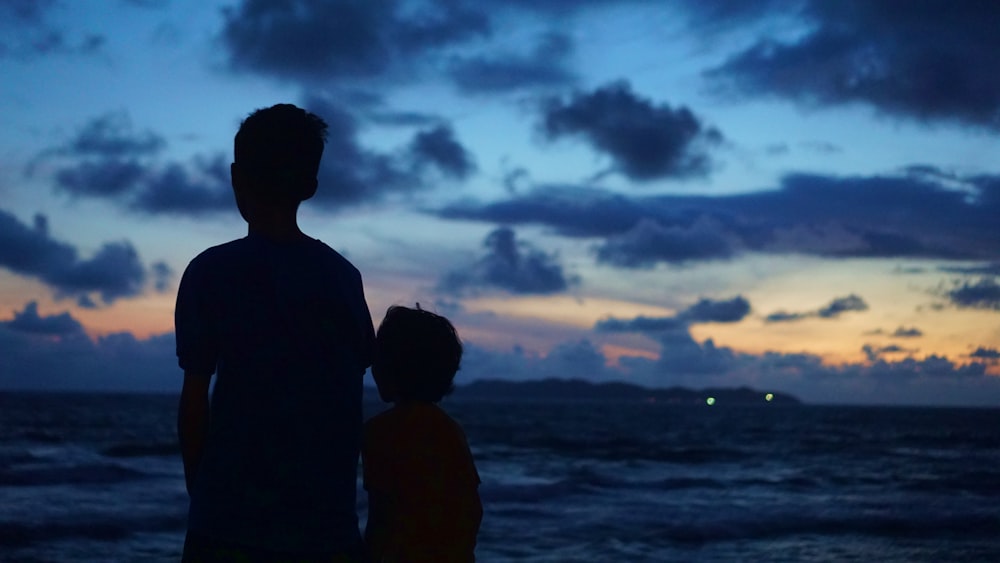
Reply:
x=271 y=459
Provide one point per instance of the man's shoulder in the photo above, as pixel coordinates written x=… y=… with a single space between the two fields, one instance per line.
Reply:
x=222 y=251
x=328 y=253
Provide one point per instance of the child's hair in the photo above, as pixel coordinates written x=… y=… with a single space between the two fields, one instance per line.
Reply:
x=421 y=352
x=282 y=147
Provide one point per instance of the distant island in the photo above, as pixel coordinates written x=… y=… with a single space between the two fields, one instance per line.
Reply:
x=581 y=390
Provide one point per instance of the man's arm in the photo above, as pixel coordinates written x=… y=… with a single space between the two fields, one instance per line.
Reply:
x=377 y=527
x=192 y=423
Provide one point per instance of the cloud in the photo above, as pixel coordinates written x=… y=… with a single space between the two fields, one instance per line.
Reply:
x=108 y=158
x=927 y=61
x=113 y=272
x=903 y=215
x=545 y=67
x=645 y=141
x=977 y=270
x=29 y=321
x=30 y=35
x=510 y=265
x=981 y=294
x=163 y=274
x=712 y=311
x=837 y=307
x=649 y=243
x=988 y=354
x=684 y=361
x=111 y=135
x=875 y=353
x=705 y=310
x=70 y=361
x=912 y=332
x=312 y=41
x=195 y=189
x=438 y=147
x=842 y=305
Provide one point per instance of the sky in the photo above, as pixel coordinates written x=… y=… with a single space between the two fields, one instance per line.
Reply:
x=796 y=196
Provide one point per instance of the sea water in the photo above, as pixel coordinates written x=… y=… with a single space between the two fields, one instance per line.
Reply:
x=98 y=478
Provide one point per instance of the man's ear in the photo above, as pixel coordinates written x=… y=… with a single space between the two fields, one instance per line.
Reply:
x=235 y=176
x=310 y=189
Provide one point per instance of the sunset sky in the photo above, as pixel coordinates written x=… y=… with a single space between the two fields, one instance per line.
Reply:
x=797 y=196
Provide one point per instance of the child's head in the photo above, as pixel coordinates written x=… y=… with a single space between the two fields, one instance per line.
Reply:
x=277 y=152
x=417 y=355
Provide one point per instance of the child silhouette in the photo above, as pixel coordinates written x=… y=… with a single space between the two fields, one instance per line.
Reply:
x=422 y=483
x=281 y=320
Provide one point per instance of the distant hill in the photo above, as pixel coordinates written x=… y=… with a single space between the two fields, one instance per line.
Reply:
x=578 y=389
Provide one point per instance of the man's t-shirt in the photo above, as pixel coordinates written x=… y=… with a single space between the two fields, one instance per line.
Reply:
x=417 y=459
x=286 y=328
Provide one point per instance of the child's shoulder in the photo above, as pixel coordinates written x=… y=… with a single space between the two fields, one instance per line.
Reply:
x=412 y=418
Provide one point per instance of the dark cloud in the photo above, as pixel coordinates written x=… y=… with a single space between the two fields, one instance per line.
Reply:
x=196 y=189
x=349 y=173
x=111 y=135
x=545 y=67
x=642 y=324
x=510 y=265
x=704 y=311
x=113 y=272
x=978 y=270
x=930 y=60
x=152 y=4
x=163 y=274
x=984 y=353
x=649 y=243
x=438 y=147
x=876 y=353
x=30 y=321
x=837 y=307
x=710 y=311
x=36 y=361
x=912 y=332
x=108 y=158
x=904 y=215
x=29 y=34
x=396 y=118
x=981 y=294
x=646 y=141
x=316 y=41
x=20 y=12
x=842 y=305
x=109 y=177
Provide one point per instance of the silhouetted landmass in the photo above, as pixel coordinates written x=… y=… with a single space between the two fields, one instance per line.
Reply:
x=578 y=389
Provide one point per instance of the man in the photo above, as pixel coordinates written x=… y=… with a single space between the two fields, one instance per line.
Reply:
x=281 y=320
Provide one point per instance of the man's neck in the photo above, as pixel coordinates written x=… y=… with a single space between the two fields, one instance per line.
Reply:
x=275 y=229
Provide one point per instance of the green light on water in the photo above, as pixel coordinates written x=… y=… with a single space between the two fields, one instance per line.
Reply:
x=710 y=400
x=769 y=396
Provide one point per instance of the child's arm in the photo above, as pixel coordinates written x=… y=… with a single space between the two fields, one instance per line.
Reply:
x=192 y=423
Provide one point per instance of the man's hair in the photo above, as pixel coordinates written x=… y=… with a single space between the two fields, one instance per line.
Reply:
x=421 y=350
x=281 y=147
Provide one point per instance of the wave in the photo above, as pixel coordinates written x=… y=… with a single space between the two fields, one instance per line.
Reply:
x=19 y=535
x=903 y=524
x=81 y=474
x=127 y=450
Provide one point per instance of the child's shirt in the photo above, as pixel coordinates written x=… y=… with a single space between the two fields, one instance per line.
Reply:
x=285 y=327
x=421 y=478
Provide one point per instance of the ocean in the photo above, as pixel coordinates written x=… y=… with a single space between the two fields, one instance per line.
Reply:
x=92 y=477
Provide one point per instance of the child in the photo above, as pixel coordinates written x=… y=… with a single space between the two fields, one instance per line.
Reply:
x=423 y=499
x=280 y=320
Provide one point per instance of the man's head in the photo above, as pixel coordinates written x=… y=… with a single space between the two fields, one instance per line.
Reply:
x=417 y=355
x=277 y=154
